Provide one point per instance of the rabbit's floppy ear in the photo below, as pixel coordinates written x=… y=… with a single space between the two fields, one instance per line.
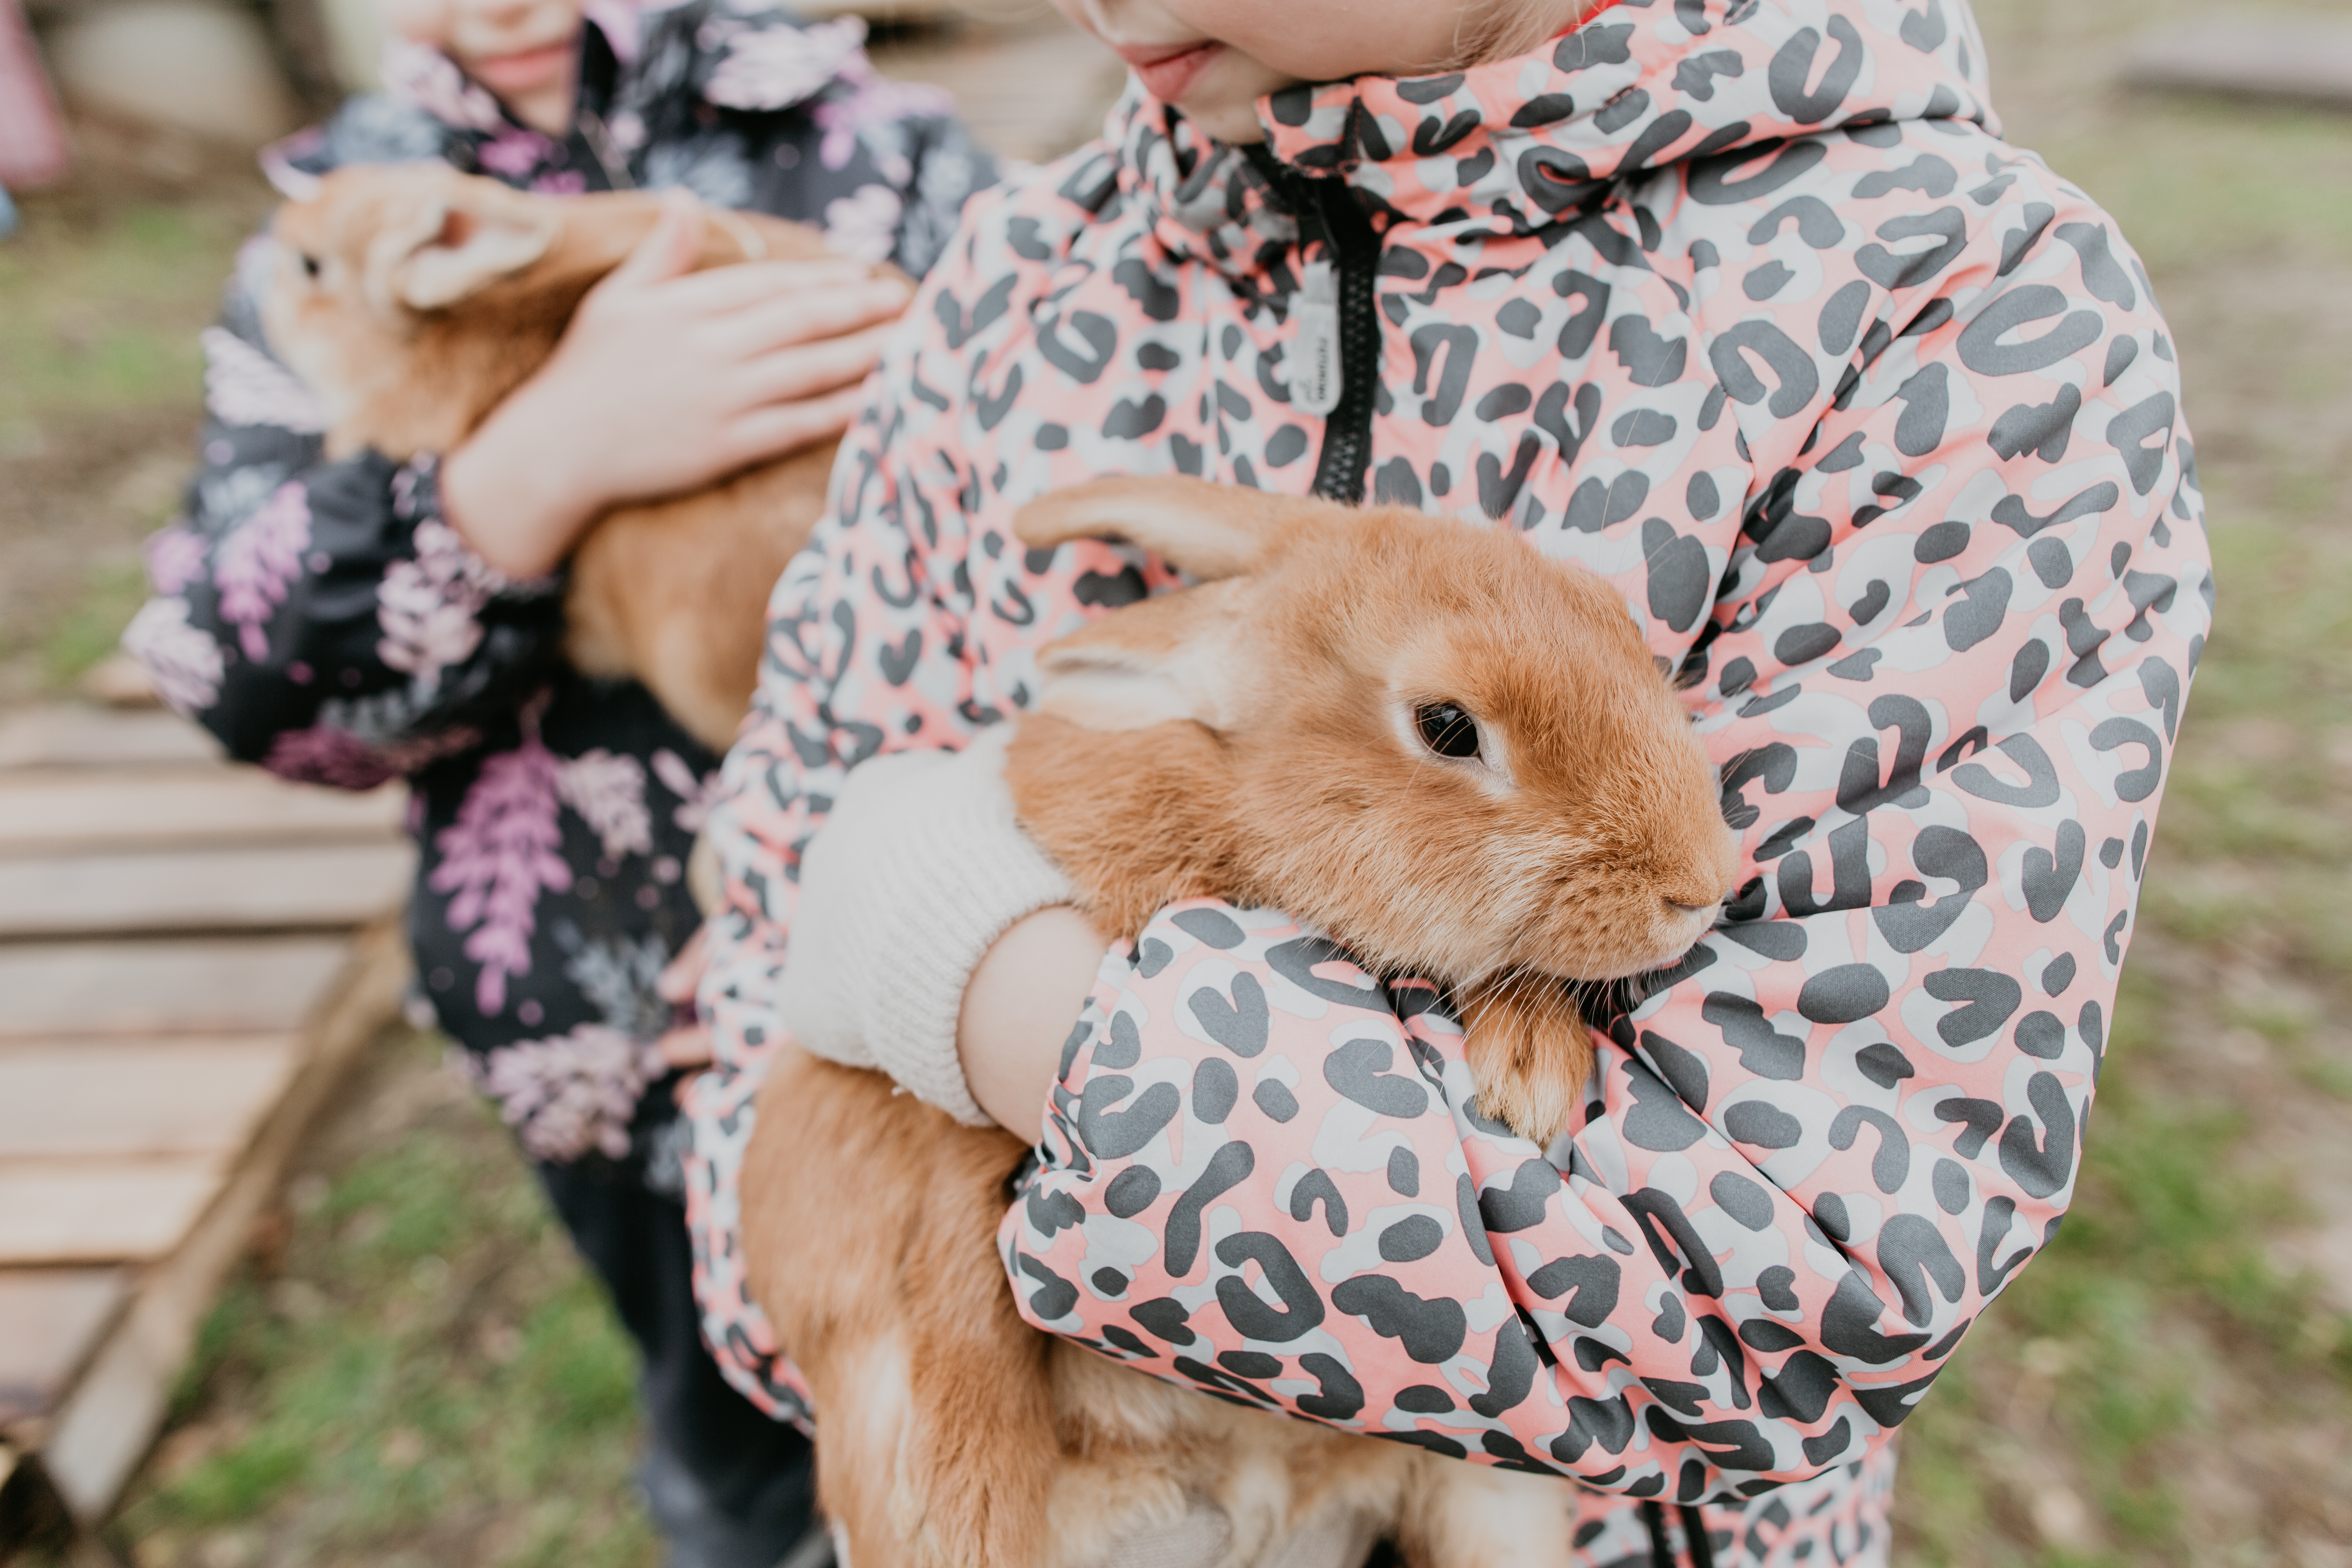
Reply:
x=436 y=249
x=1178 y=656
x=1210 y=531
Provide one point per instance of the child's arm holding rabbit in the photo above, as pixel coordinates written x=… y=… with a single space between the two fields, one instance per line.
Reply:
x=401 y=603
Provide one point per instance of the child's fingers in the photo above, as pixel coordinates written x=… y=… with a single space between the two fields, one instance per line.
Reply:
x=805 y=370
x=686 y=1049
x=669 y=249
x=726 y=288
x=811 y=314
x=677 y=983
x=783 y=428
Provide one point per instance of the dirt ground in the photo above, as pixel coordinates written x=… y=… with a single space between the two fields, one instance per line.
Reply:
x=413 y=1371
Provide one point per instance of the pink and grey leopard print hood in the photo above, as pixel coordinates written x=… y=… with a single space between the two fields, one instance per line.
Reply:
x=1871 y=416
x=1508 y=150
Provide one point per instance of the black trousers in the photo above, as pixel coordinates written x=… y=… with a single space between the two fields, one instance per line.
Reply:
x=728 y=1486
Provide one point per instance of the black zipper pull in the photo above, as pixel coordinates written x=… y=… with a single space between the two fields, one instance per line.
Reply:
x=1316 y=373
x=1662 y=1550
x=1335 y=359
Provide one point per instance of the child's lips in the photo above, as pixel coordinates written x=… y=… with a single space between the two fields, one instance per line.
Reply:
x=1166 y=72
x=522 y=69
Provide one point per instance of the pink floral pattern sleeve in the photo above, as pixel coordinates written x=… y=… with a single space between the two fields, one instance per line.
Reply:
x=1744 y=304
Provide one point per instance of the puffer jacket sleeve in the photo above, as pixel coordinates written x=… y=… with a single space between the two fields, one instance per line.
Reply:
x=1814 y=1151
x=318 y=615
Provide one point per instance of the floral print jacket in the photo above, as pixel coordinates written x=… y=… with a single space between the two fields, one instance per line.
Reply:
x=1746 y=305
x=322 y=620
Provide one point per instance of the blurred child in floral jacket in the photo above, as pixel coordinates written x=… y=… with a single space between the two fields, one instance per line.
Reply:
x=348 y=622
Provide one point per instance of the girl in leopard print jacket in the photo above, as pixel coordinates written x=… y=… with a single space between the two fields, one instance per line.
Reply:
x=1746 y=305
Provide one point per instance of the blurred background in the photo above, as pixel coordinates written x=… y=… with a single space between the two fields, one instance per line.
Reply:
x=343 y=1311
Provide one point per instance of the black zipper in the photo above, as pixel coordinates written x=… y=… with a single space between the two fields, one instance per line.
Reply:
x=1697 y=1548
x=1329 y=214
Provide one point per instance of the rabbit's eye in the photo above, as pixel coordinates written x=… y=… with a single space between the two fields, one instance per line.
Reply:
x=1446 y=729
x=309 y=266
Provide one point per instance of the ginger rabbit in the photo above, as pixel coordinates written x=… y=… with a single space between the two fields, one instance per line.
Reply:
x=412 y=299
x=1457 y=759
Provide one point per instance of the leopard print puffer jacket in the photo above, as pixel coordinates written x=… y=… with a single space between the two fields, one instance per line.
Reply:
x=1746 y=305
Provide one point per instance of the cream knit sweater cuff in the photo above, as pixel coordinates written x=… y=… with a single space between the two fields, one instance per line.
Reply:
x=918 y=869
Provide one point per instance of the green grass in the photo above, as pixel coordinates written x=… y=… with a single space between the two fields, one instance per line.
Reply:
x=90 y=628
x=102 y=295
x=2288 y=175
x=2106 y=1351
x=2255 y=841
x=93 y=315
x=425 y=1369
x=2128 y=1400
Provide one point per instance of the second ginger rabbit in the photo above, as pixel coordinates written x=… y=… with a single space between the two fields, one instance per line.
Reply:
x=412 y=299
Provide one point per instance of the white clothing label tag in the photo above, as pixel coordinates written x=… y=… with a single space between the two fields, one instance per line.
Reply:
x=1315 y=369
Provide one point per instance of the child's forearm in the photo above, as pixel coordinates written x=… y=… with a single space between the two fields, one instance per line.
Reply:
x=507 y=491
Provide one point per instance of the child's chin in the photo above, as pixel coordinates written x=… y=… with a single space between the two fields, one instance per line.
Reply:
x=1227 y=120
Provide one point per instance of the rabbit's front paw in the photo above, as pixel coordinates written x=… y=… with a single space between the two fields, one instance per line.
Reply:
x=1528 y=1051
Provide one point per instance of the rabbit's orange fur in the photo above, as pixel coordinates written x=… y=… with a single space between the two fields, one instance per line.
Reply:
x=1302 y=788
x=1250 y=738
x=437 y=293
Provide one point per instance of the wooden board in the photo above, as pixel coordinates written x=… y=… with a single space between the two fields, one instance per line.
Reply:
x=198 y=986
x=261 y=888
x=191 y=955
x=102 y=1211
x=75 y=1101
x=96 y=1437
x=49 y=810
x=2307 y=58
x=63 y=736
x=50 y=1321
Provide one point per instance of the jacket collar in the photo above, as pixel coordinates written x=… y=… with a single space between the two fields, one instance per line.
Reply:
x=1514 y=147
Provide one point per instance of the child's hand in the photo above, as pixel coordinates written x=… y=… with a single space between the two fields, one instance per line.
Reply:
x=667 y=380
x=687 y=1047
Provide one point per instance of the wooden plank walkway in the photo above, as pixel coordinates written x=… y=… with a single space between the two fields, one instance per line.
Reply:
x=191 y=955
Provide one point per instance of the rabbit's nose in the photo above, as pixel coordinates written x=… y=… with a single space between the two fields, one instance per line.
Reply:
x=1715 y=903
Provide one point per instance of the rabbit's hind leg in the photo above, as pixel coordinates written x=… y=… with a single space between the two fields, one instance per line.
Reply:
x=1461 y=1515
x=862 y=1458
x=1137 y=1455
x=869 y=1222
